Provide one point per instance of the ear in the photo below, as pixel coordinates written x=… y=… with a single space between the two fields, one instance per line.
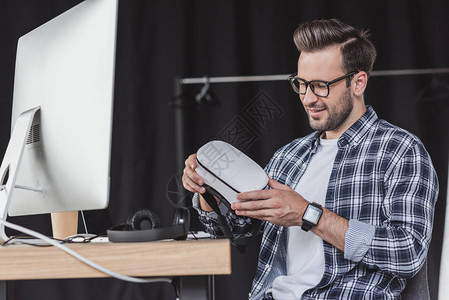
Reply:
x=359 y=83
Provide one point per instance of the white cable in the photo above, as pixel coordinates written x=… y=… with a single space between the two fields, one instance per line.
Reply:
x=80 y=257
x=84 y=221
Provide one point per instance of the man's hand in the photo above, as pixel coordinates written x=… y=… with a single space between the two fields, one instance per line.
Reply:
x=190 y=178
x=194 y=182
x=281 y=205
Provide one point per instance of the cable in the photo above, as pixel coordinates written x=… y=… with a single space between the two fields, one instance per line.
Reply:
x=82 y=258
x=84 y=221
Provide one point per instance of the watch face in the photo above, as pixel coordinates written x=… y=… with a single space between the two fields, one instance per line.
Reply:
x=312 y=214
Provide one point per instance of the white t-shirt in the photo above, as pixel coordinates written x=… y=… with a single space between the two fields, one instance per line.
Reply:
x=305 y=253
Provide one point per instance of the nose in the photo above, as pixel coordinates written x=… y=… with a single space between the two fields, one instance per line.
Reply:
x=309 y=97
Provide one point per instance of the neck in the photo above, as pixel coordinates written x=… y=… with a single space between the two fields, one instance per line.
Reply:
x=356 y=114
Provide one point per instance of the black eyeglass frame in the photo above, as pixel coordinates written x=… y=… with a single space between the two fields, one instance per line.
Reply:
x=293 y=77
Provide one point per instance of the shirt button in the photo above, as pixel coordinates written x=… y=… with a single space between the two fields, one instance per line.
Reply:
x=267 y=266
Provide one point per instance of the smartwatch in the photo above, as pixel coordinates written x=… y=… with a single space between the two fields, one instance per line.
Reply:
x=311 y=216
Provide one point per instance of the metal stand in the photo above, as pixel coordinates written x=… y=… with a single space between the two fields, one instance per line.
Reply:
x=3 y=290
x=229 y=79
x=195 y=288
x=11 y=163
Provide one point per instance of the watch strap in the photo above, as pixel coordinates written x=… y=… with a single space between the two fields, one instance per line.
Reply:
x=306 y=226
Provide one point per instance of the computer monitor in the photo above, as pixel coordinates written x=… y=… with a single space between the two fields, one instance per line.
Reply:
x=58 y=157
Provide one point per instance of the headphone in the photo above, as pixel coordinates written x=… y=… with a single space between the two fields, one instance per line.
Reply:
x=144 y=226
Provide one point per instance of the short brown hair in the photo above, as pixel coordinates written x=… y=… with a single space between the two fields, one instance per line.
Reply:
x=358 y=53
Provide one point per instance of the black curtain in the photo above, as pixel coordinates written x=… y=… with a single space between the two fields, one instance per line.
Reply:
x=159 y=40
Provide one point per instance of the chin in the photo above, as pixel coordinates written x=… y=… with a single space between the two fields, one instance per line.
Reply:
x=319 y=125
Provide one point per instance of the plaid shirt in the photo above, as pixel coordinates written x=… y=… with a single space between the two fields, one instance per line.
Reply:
x=384 y=183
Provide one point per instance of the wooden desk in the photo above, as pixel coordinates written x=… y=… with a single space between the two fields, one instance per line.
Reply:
x=152 y=259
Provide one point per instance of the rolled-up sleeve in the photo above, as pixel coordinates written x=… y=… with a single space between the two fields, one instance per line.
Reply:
x=358 y=239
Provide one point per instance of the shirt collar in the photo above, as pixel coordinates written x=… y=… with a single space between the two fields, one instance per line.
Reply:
x=356 y=133
x=315 y=141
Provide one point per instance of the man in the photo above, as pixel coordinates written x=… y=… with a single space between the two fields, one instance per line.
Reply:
x=350 y=211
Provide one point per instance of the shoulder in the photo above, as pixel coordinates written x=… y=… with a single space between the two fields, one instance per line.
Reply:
x=378 y=135
x=397 y=149
x=396 y=138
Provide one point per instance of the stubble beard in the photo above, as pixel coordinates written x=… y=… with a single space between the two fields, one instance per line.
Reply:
x=336 y=116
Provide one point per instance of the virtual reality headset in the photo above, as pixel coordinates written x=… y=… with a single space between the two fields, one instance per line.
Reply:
x=227 y=171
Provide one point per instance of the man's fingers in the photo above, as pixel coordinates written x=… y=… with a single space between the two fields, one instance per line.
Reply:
x=193 y=176
x=190 y=179
x=264 y=214
x=277 y=185
x=251 y=205
x=195 y=186
x=190 y=162
x=262 y=194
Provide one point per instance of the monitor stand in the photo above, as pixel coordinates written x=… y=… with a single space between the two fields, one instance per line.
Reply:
x=63 y=224
x=11 y=163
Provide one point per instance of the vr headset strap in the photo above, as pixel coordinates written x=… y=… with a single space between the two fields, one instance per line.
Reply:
x=240 y=243
x=222 y=222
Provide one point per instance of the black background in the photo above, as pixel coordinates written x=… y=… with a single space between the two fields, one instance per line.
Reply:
x=159 y=40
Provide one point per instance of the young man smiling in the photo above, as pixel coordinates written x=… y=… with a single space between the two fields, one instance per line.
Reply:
x=349 y=212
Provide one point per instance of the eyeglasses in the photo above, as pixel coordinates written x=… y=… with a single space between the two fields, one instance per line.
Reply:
x=318 y=87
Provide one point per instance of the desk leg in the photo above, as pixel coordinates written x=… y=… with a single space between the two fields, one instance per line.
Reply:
x=3 y=290
x=196 y=287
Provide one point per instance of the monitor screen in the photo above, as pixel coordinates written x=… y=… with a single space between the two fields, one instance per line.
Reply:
x=66 y=68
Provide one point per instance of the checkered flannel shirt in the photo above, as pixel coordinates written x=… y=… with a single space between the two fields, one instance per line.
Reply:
x=384 y=183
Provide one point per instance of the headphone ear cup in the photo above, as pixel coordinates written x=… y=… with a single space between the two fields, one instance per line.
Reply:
x=143 y=225
x=179 y=216
x=142 y=219
x=182 y=218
